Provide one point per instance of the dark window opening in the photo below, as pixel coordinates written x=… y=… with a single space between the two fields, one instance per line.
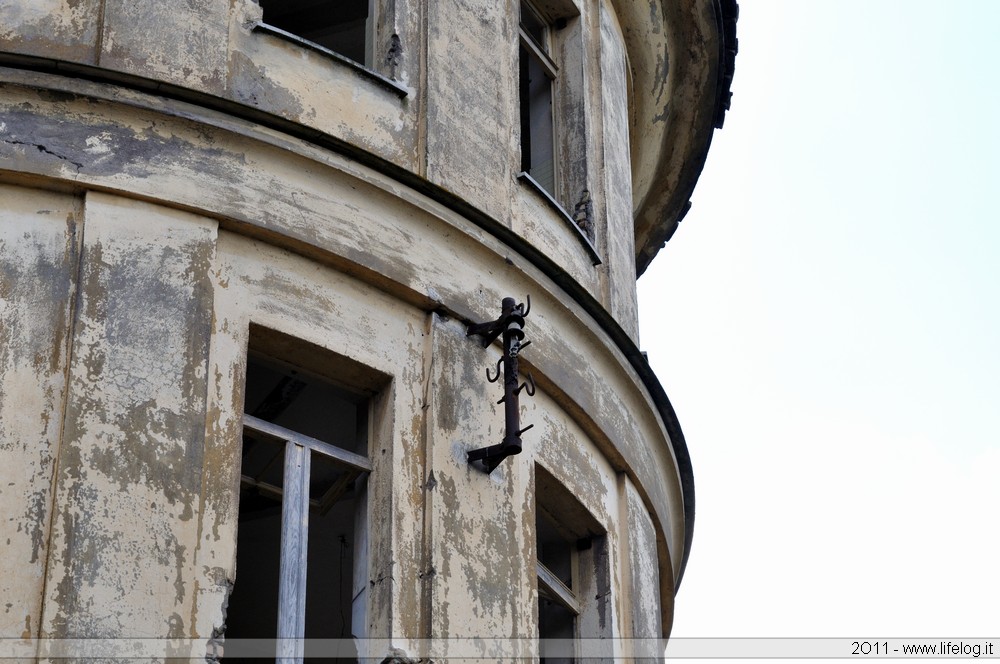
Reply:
x=558 y=606
x=537 y=73
x=573 y=576
x=301 y=567
x=342 y=26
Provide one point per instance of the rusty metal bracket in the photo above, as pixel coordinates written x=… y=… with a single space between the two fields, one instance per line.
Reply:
x=510 y=327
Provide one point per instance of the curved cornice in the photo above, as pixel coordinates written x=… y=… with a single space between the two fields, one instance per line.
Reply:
x=681 y=54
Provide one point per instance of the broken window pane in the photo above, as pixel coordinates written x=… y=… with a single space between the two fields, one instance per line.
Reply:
x=556 y=622
x=334 y=530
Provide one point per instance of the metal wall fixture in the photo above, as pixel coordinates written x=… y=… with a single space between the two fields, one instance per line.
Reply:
x=510 y=325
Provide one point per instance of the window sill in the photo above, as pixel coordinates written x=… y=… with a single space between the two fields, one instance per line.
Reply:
x=364 y=72
x=588 y=246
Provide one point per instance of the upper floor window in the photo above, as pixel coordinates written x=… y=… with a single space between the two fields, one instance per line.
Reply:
x=341 y=26
x=536 y=80
x=572 y=575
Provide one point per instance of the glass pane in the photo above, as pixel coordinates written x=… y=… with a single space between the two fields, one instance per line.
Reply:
x=554 y=551
x=532 y=24
x=542 y=167
x=556 y=624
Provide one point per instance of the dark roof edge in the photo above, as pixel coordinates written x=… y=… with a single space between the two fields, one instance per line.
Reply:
x=727 y=13
x=658 y=233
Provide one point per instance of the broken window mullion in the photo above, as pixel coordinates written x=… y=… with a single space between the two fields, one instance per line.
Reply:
x=334 y=493
x=557 y=591
x=294 y=550
x=268 y=465
x=264 y=488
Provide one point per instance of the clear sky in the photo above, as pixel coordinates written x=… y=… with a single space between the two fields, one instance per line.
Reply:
x=826 y=322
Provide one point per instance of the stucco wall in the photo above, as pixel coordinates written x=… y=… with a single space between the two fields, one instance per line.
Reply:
x=39 y=247
x=143 y=535
x=440 y=102
x=143 y=234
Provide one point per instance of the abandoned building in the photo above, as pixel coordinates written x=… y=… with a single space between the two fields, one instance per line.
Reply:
x=318 y=327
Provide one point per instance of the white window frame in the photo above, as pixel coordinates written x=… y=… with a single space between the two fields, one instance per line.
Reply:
x=295 y=506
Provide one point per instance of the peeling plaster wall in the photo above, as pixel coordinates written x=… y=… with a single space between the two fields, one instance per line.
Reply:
x=618 y=175
x=643 y=571
x=38 y=263
x=141 y=236
x=480 y=547
x=450 y=112
x=357 y=275
x=61 y=29
x=472 y=102
x=279 y=77
x=184 y=43
x=127 y=488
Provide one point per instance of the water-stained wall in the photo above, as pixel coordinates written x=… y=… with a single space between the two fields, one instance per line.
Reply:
x=439 y=101
x=39 y=250
x=271 y=195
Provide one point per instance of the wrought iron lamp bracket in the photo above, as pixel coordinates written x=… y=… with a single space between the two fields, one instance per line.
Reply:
x=510 y=328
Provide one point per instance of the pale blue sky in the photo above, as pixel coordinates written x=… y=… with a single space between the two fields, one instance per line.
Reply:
x=826 y=321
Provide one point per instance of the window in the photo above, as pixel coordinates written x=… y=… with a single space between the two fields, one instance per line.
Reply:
x=554 y=154
x=301 y=562
x=341 y=26
x=558 y=605
x=573 y=576
x=536 y=78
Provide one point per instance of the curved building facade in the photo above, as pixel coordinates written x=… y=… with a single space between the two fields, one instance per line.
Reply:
x=265 y=271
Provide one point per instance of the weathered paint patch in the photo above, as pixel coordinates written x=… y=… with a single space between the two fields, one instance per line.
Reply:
x=483 y=579
x=57 y=29
x=38 y=264
x=474 y=158
x=130 y=463
x=620 y=240
x=184 y=43
x=643 y=567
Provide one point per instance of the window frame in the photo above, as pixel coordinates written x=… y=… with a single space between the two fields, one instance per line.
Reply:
x=348 y=468
x=589 y=595
x=368 y=69
x=295 y=506
x=540 y=54
x=561 y=36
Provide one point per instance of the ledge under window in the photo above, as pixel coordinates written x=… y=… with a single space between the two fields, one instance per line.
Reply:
x=358 y=68
x=585 y=242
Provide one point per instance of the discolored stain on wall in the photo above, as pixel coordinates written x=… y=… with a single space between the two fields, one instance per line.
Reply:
x=39 y=237
x=133 y=441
